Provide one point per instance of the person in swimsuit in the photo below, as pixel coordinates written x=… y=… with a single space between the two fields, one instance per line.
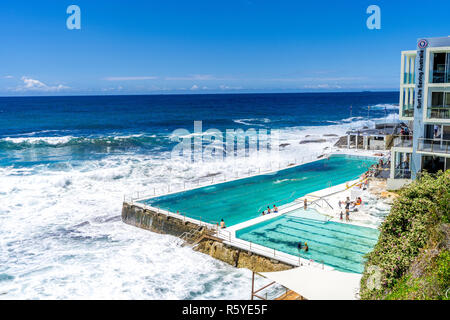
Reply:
x=299 y=245
x=305 y=204
x=275 y=208
x=306 y=247
x=347 y=203
x=222 y=224
x=268 y=209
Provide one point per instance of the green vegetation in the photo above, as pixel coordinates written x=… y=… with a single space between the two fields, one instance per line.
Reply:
x=411 y=258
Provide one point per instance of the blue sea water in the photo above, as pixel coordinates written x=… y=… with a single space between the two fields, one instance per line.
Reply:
x=66 y=163
x=80 y=128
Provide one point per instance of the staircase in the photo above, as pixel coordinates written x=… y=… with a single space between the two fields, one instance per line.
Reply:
x=193 y=237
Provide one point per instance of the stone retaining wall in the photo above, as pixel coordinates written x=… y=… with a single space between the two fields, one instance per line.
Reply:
x=160 y=223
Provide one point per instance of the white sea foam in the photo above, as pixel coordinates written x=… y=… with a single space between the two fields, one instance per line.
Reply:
x=34 y=140
x=253 y=121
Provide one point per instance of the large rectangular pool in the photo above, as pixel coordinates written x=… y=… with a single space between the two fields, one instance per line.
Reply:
x=243 y=199
x=339 y=245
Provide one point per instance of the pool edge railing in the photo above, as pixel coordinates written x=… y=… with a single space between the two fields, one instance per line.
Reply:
x=268 y=252
x=171 y=188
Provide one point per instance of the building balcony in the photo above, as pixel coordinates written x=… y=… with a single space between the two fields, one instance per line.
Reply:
x=438 y=112
x=434 y=146
x=403 y=141
x=409 y=78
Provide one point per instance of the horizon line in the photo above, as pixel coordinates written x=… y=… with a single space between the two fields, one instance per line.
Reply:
x=193 y=93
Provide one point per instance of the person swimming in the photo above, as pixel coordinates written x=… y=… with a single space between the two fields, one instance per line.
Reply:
x=306 y=246
x=299 y=245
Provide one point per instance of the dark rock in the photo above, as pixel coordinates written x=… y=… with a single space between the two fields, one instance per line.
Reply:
x=312 y=141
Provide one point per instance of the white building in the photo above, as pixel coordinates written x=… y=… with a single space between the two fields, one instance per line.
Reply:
x=425 y=105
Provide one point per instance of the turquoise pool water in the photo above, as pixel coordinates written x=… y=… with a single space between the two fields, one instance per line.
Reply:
x=240 y=200
x=339 y=245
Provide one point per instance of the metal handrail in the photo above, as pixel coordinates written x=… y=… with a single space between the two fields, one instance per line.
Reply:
x=270 y=253
x=248 y=245
x=434 y=145
x=403 y=140
x=168 y=189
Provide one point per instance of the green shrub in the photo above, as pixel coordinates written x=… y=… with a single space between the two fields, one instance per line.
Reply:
x=407 y=230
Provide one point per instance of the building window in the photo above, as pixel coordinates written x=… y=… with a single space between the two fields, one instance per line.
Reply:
x=440 y=71
x=440 y=105
x=408 y=74
x=408 y=102
x=402 y=168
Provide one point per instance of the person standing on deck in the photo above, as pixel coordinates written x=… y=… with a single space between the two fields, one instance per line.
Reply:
x=347 y=203
x=305 y=204
x=222 y=224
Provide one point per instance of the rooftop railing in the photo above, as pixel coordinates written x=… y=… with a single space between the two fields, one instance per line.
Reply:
x=434 y=145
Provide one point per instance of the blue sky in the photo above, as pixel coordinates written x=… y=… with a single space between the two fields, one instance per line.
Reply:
x=145 y=47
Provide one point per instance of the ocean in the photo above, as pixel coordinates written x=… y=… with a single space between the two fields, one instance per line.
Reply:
x=67 y=162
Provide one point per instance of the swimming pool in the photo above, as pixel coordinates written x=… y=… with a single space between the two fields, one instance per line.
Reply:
x=240 y=200
x=339 y=245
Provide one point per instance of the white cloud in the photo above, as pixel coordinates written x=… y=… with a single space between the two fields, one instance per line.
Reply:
x=323 y=86
x=30 y=84
x=8 y=77
x=130 y=78
x=194 y=87
x=225 y=87
x=316 y=79
x=197 y=77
